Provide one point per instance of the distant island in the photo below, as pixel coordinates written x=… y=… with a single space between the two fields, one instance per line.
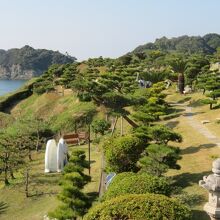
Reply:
x=27 y=62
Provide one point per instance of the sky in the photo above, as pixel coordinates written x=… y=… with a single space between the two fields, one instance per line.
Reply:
x=108 y=28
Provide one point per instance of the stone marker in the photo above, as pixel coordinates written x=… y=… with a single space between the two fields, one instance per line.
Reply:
x=205 y=121
x=212 y=184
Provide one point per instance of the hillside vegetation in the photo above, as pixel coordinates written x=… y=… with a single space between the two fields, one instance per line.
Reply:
x=207 y=44
x=139 y=113
x=28 y=62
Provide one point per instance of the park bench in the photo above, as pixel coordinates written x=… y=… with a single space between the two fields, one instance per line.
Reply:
x=76 y=138
x=71 y=138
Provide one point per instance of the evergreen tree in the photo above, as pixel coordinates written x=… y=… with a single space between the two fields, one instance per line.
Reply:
x=159 y=158
x=11 y=155
x=210 y=82
x=75 y=202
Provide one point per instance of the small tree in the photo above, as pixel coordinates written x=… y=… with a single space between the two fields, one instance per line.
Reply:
x=159 y=158
x=211 y=83
x=178 y=65
x=162 y=134
x=75 y=202
x=11 y=155
x=100 y=126
x=122 y=153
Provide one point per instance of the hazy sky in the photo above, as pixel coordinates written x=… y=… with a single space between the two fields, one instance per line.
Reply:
x=91 y=28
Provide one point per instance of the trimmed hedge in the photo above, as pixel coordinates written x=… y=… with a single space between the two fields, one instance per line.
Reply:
x=140 y=207
x=132 y=183
x=122 y=153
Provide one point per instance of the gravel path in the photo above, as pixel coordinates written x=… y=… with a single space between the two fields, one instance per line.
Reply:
x=199 y=127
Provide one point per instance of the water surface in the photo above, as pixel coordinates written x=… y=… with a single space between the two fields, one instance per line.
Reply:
x=7 y=86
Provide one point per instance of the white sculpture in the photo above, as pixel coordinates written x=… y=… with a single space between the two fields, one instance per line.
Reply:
x=51 y=156
x=62 y=151
x=55 y=156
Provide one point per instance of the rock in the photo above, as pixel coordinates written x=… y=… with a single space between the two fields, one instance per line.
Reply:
x=205 y=121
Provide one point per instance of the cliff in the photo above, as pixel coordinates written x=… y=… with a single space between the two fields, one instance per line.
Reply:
x=28 y=62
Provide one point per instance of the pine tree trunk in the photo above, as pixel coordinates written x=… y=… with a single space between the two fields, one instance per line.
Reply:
x=6 y=177
x=12 y=174
x=27 y=183
x=132 y=123
x=29 y=154
x=38 y=140
x=113 y=129
x=6 y=169
x=181 y=82
x=122 y=127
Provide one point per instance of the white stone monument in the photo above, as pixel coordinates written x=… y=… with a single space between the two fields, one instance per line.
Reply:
x=62 y=151
x=51 y=156
x=55 y=156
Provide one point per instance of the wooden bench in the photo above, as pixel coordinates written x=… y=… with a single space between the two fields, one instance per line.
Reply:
x=71 y=138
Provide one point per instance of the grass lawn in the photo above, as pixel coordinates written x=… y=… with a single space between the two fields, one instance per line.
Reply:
x=197 y=151
x=43 y=189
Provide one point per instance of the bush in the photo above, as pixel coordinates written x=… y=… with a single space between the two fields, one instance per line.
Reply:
x=140 y=207
x=100 y=126
x=132 y=183
x=122 y=153
x=159 y=158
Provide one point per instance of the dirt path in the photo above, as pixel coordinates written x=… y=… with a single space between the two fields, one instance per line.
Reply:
x=198 y=126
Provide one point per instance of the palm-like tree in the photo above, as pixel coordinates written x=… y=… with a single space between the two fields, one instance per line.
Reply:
x=179 y=65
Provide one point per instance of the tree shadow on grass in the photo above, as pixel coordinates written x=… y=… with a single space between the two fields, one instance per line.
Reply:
x=199 y=215
x=173 y=110
x=93 y=196
x=188 y=114
x=172 y=124
x=188 y=179
x=192 y=149
x=3 y=207
x=185 y=99
x=196 y=103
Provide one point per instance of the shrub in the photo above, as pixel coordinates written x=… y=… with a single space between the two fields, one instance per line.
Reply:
x=140 y=207
x=132 y=183
x=159 y=158
x=100 y=126
x=122 y=153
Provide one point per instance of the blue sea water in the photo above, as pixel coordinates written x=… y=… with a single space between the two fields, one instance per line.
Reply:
x=7 y=86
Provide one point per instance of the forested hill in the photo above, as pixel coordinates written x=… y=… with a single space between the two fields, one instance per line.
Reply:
x=184 y=44
x=28 y=62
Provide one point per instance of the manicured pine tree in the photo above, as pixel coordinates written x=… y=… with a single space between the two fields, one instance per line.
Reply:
x=159 y=158
x=210 y=82
x=75 y=202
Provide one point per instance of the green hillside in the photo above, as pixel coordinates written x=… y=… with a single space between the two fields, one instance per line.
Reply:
x=27 y=62
x=207 y=44
x=145 y=126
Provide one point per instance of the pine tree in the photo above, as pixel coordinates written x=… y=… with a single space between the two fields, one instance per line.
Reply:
x=159 y=158
x=75 y=202
x=11 y=155
x=210 y=82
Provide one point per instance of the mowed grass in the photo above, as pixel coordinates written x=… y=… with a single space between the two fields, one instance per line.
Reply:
x=43 y=188
x=197 y=151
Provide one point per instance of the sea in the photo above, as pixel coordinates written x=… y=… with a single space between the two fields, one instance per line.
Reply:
x=7 y=86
